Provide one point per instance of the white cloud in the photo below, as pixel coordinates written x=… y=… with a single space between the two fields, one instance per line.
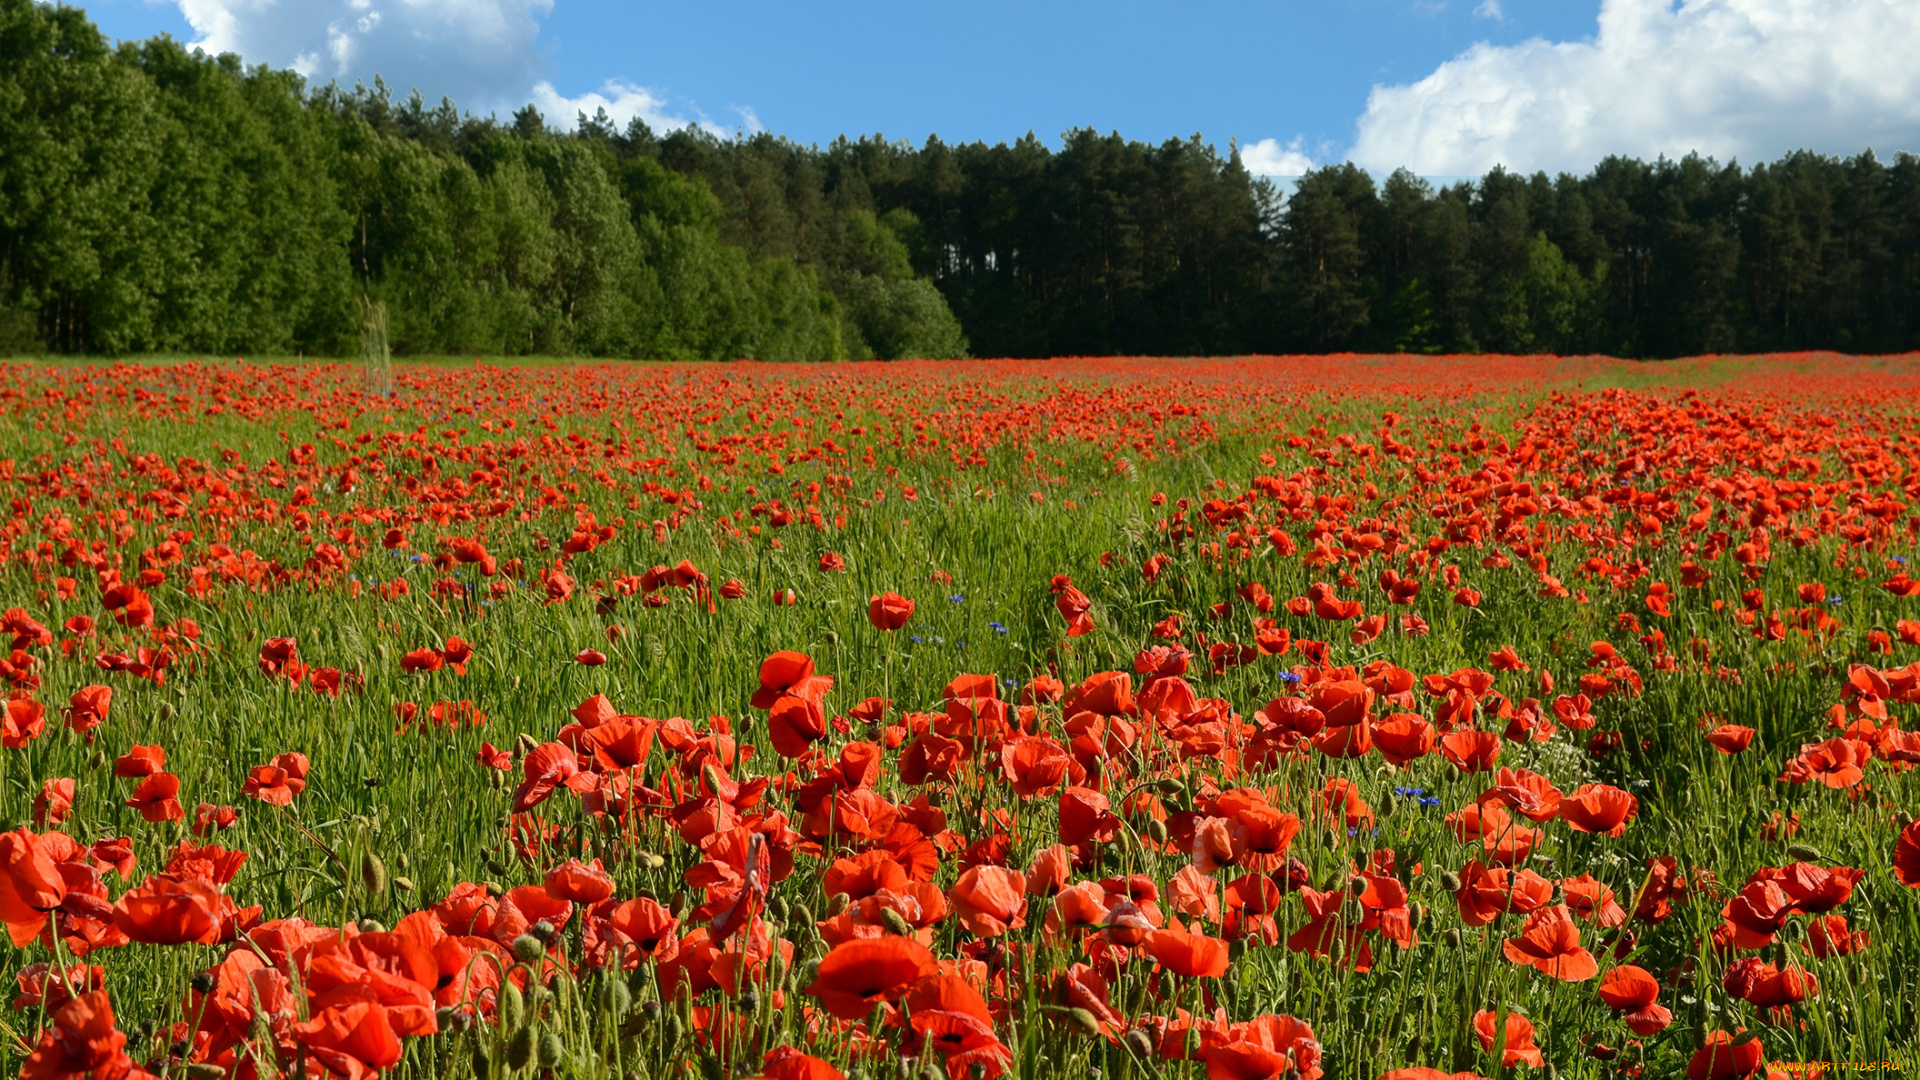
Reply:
x=1269 y=158
x=1490 y=9
x=481 y=53
x=623 y=101
x=1746 y=79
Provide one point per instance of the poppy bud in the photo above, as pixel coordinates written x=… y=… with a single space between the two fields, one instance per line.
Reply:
x=202 y=982
x=777 y=909
x=1416 y=915
x=481 y=1066
x=520 y=1049
x=543 y=930
x=802 y=918
x=809 y=973
x=442 y=1017
x=1453 y=938
x=551 y=1049
x=615 y=1000
x=1157 y=831
x=1804 y=852
x=1171 y=786
x=372 y=926
x=1082 y=1022
x=527 y=948
x=201 y=1070
x=749 y=1001
x=1358 y=885
x=1450 y=881
x=1139 y=1042
x=896 y=922
x=526 y=744
x=404 y=884
x=837 y=903
x=512 y=1007
x=1901 y=820
x=493 y=888
x=651 y=861
x=373 y=873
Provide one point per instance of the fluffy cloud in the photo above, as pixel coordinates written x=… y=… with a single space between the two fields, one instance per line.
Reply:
x=1746 y=79
x=624 y=101
x=482 y=53
x=1269 y=157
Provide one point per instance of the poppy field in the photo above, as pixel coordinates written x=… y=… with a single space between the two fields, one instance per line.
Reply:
x=1371 y=718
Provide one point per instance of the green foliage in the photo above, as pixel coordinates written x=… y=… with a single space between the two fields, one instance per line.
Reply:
x=153 y=199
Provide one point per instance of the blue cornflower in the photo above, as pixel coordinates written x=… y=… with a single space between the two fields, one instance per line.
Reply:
x=915 y=638
x=1430 y=801
x=1289 y=677
x=1406 y=792
x=418 y=558
x=1833 y=599
x=998 y=629
x=956 y=598
x=959 y=644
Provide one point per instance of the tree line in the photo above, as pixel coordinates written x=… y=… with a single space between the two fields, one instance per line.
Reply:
x=153 y=199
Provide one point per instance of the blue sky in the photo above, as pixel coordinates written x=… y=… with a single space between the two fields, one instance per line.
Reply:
x=1445 y=86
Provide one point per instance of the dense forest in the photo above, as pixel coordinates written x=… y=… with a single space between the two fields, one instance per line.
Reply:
x=153 y=199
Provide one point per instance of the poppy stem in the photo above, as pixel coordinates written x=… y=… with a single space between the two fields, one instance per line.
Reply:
x=327 y=851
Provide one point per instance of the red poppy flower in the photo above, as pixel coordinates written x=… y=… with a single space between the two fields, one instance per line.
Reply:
x=1906 y=856
x=208 y=817
x=422 y=659
x=889 y=611
x=1725 y=1056
x=158 y=798
x=590 y=657
x=1599 y=808
x=779 y=674
x=351 y=1040
x=1632 y=992
x=546 y=767
x=31 y=884
x=1550 y=943
x=23 y=721
x=272 y=785
x=1730 y=738
x=1519 y=1048
x=81 y=1043
x=170 y=910
x=1403 y=738
x=788 y=1063
x=140 y=761
x=54 y=804
x=1838 y=763
x=857 y=974
x=989 y=900
x=795 y=724
x=1470 y=750
x=576 y=881
x=1034 y=765
x=87 y=709
x=1191 y=955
